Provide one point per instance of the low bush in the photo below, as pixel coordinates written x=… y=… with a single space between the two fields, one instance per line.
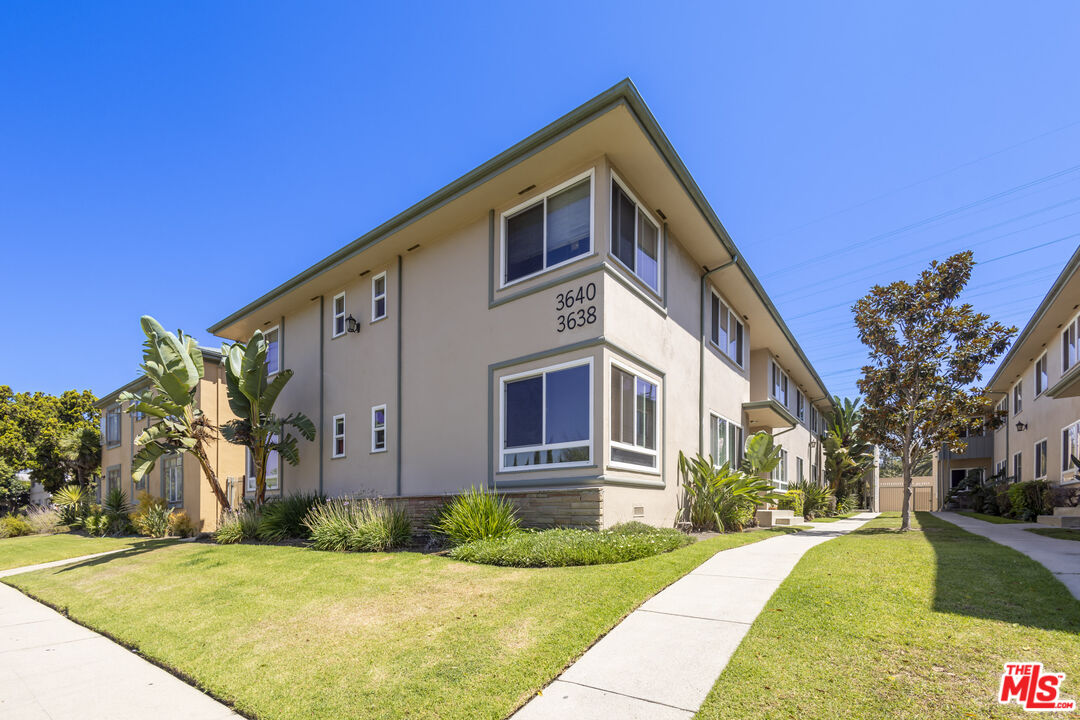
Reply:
x=631 y=527
x=44 y=520
x=151 y=516
x=284 y=519
x=476 y=514
x=560 y=548
x=793 y=500
x=95 y=522
x=363 y=525
x=180 y=525
x=816 y=498
x=14 y=526
x=1026 y=499
x=237 y=525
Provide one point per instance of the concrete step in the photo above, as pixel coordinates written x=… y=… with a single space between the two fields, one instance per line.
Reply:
x=1067 y=511
x=768 y=518
x=793 y=520
x=1060 y=521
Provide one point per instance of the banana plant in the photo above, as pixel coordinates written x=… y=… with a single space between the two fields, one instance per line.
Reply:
x=721 y=498
x=173 y=366
x=252 y=395
x=762 y=454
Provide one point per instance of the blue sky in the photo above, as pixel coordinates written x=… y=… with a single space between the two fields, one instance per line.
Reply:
x=840 y=144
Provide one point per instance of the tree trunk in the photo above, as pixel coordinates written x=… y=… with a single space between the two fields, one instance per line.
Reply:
x=905 y=518
x=211 y=477
x=261 y=457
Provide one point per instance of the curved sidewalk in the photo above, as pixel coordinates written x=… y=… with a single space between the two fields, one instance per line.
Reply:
x=663 y=659
x=1061 y=557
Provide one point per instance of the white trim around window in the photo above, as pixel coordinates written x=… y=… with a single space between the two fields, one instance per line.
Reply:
x=378 y=429
x=543 y=199
x=1070 y=445
x=576 y=452
x=726 y=441
x=378 y=297
x=1041 y=457
x=644 y=438
x=640 y=211
x=273 y=350
x=337 y=315
x=337 y=442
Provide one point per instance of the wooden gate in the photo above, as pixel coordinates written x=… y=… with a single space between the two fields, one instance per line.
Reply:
x=891 y=494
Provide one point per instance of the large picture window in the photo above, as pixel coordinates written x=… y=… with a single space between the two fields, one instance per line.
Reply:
x=635 y=238
x=549 y=231
x=727 y=330
x=547 y=417
x=633 y=419
x=725 y=442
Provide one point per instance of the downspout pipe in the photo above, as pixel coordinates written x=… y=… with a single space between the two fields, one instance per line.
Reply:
x=701 y=356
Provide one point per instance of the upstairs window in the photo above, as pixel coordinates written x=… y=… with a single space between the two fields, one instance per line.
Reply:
x=1041 y=376
x=378 y=297
x=378 y=428
x=273 y=350
x=337 y=324
x=727 y=330
x=800 y=408
x=635 y=238
x=547 y=417
x=112 y=426
x=779 y=384
x=548 y=231
x=1018 y=397
x=1069 y=345
x=633 y=419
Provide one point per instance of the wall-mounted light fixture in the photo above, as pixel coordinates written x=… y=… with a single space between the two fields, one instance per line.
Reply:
x=1021 y=426
x=352 y=325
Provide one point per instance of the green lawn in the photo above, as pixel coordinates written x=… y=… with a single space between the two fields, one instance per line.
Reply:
x=996 y=519
x=33 y=549
x=1059 y=533
x=289 y=632
x=879 y=624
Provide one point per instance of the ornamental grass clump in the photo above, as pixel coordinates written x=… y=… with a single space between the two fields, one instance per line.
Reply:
x=237 y=525
x=562 y=548
x=284 y=519
x=476 y=514
x=357 y=525
x=43 y=520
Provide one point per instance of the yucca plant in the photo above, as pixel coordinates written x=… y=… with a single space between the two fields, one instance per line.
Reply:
x=476 y=514
x=719 y=498
x=72 y=501
x=116 y=509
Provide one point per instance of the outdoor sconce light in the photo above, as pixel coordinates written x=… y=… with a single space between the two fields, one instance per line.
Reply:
x=351 y=325
x=1021 y=426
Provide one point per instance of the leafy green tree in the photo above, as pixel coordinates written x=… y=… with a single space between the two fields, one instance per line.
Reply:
x=927 y=352
x=252 y=395
x=847 y=454
x=14 y=491
x=32 y=426
x=173 y=365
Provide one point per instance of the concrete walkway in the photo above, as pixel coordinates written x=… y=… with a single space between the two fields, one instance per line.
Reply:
x=663 y=659
x=54 y=669
x=1061 y=557
x=56 y=563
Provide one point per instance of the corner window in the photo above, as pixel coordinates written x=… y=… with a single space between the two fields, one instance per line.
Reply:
x=548 y=231
x=633 y=419
x=1018 y=397
x=1069 y=345
x=725 y=442
x=378 y=428
x=337 y=323
x=112 y=426
x=337 y=447
x=378 y=297
x=273 y=469
x=727 y=330
x=1041 y=376
x=1070 y=447
x=779 y=474
x=547 y=417
x=635 y=238
x=172 y=471
x=273 y=350
x=1040 y=459
x=779 y=384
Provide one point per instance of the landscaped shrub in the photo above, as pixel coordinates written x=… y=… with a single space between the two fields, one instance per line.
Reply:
x=284 y=519
x=151 y=516
x=792 y=500
x=116 y=510
x=357 y=525
x=237 y=525
x=1026 y=499
x=559 y=548
x=44 y=520
x=815 y=498
x=847 y=503
x=180 y=525
x=95 y=522
x=476 y=514
x=72 y=501
x=1002 y=504
x=719 y=498
x=631 y=527
x=14 y=526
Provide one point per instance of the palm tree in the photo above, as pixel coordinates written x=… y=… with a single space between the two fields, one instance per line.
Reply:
x=81 y=452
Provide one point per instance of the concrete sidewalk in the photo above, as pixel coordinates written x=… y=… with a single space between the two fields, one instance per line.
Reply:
x=54 y=669
x=662 y=660
x=1061 y=557
x=56 y=563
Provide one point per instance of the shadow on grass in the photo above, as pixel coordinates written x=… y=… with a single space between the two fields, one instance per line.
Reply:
x=977 y=577
x=143 y=547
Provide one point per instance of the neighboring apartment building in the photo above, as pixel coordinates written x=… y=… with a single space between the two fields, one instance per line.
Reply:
x=1038 y=383
x=179 y=479
x=559 y=323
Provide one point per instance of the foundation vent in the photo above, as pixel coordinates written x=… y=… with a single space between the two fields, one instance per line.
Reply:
x=639 y=511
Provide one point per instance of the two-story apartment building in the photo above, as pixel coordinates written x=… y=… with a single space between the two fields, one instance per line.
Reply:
x=179 y=479
x=558 y=323
x=1038 y=383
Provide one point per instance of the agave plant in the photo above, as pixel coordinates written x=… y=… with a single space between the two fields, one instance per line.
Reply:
x=72 y=500
x=251 y=397
x=720 y=498
x=173 y=365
